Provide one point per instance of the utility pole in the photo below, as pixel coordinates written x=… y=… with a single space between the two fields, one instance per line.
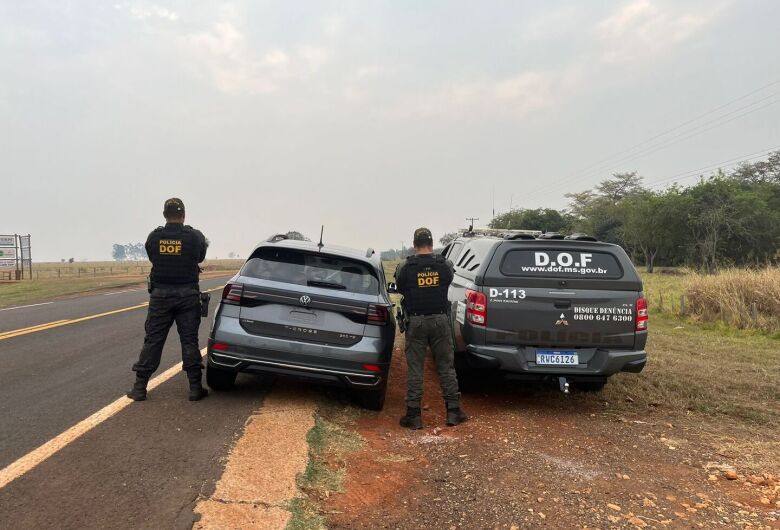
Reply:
x=471 y=221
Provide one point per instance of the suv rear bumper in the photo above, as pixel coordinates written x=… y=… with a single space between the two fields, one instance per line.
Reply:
x=522 y=360
x=238 y=362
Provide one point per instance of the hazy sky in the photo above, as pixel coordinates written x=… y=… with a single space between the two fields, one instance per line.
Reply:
x=371 y=117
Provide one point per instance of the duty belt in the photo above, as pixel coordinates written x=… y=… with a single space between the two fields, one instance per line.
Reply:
x=157 y=285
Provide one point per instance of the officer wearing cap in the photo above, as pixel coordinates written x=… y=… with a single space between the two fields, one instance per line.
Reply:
x=423 y=280
x=175 y=251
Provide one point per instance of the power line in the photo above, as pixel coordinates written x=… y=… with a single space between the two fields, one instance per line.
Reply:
x=686 y=134
x=688 y=122
x=677 y=139
x=589 y=169
x=726 y=163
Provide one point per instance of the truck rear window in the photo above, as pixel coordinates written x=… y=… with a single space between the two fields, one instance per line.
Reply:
x=561 y=264
x=314 y=270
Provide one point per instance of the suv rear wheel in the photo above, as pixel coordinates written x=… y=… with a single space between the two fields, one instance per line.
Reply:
x=220 y=379
x=373 y=399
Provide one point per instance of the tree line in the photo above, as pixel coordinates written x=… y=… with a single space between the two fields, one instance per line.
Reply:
x=726 y=219
x=129 y=251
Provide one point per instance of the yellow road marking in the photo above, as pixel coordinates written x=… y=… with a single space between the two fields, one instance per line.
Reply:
x=36 y=456
x=59 y=323
x=31 y=328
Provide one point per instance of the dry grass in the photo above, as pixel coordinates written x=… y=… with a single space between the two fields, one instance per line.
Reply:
x=75 y=278
x=690 y=369
x=94 y=269
x=723 y=385
x=664 y=289
x=728 y=296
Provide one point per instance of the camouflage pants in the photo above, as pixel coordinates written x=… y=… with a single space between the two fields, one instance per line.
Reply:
x=433 y=331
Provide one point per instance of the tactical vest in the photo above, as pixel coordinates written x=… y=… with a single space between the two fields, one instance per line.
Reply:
x=175 y=251
x=426 y=281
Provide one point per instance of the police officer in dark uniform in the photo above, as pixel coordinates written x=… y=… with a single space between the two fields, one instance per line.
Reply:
x=175 y=251
x=424 y=279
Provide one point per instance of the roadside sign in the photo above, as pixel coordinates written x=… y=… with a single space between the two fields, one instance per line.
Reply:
x=7 y=263
x=8 y=241
x=7 y=253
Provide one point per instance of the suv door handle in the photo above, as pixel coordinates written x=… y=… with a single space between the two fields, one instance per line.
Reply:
x=562 y=304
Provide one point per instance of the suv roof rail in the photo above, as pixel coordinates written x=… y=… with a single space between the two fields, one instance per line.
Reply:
x=550 y=235
x=505 y=233
x=275 y=238
x=580 y=237
x=369 y=252
x=518 y=236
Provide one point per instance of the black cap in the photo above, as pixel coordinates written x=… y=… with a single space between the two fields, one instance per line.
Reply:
x=173 y=207
x=423 y=237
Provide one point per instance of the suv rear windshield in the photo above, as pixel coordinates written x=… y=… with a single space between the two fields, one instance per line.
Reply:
x=314 y=270
x=561 y=264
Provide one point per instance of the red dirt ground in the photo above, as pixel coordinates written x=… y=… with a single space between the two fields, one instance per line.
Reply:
x=531 y=457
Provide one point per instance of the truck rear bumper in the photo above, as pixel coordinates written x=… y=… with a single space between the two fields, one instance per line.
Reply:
x=522 y=360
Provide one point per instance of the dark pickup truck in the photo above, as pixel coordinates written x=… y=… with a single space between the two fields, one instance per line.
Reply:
x=546 y=307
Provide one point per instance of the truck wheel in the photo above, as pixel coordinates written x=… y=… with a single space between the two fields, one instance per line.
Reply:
x=468 y=380
x=372 y=399
x=220 y=380
x=590 y=386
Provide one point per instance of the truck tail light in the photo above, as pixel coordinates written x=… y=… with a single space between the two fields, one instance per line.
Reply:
x=476 y=307
x=377 y=314
x=641 y=314
x=232 y=293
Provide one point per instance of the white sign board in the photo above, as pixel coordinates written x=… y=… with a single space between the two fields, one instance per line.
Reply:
x=7 y=263
x=7 y=253
x=7 y=241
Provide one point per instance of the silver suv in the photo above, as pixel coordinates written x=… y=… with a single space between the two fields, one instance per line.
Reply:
x=310 y=311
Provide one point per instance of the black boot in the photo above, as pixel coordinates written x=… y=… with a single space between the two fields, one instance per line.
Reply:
x=455 y=416
x=412 y=420
x=197 y=392
x=138 y=392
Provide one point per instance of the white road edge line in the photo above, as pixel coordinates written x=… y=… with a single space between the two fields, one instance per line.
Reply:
x=23 y=306
x=36 y=456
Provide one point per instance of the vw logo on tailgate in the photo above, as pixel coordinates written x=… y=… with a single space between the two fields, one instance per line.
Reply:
x=305 y=300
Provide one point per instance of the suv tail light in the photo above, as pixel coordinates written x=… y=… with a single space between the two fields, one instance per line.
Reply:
x=476 y=307
x=377 y=314
x=232 y=293
x=641 y=314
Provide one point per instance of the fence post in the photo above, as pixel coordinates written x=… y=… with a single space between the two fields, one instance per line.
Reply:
x=682 y=305
x=79 y=272
x=59 y=275
x=661 y=302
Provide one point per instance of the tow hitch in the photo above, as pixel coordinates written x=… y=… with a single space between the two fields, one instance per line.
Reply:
x=564 y=384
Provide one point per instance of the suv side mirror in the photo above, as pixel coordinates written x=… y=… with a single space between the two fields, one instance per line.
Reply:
x=392 y=287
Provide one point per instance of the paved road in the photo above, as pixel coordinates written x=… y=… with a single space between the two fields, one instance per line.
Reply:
x=145 y=466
